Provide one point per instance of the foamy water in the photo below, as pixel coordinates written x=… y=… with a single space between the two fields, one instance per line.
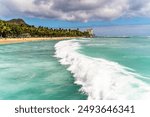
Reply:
x=101 y=78
x=100 y=68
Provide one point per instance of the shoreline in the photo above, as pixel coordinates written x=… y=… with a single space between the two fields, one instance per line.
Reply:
x=21 y=40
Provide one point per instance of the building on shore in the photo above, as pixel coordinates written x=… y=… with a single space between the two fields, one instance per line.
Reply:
x=91 y=32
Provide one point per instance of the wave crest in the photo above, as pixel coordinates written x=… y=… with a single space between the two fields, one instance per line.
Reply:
x=100 y=78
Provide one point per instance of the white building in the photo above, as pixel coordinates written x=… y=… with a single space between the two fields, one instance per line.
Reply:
x=91 y=32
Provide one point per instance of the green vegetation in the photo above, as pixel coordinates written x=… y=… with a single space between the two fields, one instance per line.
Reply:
x=17 y=28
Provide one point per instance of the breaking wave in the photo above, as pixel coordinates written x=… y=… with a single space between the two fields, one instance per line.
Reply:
x=101 y=79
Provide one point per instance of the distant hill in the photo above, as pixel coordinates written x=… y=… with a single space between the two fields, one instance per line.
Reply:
x=17 y=21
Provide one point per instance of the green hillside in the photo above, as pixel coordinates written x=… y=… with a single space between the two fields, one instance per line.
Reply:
x=18 y=28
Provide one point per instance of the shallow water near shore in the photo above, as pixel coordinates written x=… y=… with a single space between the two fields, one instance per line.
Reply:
x=100 y=68
x=30 y=71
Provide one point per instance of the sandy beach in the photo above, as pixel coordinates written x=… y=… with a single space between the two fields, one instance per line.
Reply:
x=20 y=40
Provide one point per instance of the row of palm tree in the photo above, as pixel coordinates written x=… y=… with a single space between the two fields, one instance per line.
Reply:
x=8 y=29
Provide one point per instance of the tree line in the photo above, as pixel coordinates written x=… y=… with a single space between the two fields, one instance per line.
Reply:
x=21 y=30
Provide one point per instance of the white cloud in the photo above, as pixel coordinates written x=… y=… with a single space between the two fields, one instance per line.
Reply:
x=76 y=10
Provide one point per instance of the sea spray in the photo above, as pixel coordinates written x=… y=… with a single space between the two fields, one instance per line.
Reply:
x=100 y=78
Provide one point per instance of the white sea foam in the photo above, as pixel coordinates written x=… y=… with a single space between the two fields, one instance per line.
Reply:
x=100 y=78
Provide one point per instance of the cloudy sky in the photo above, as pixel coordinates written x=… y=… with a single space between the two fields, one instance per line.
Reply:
x=110 y=15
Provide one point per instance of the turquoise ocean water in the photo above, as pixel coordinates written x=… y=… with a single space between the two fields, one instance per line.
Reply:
x=99 y=68
x=30 y=71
